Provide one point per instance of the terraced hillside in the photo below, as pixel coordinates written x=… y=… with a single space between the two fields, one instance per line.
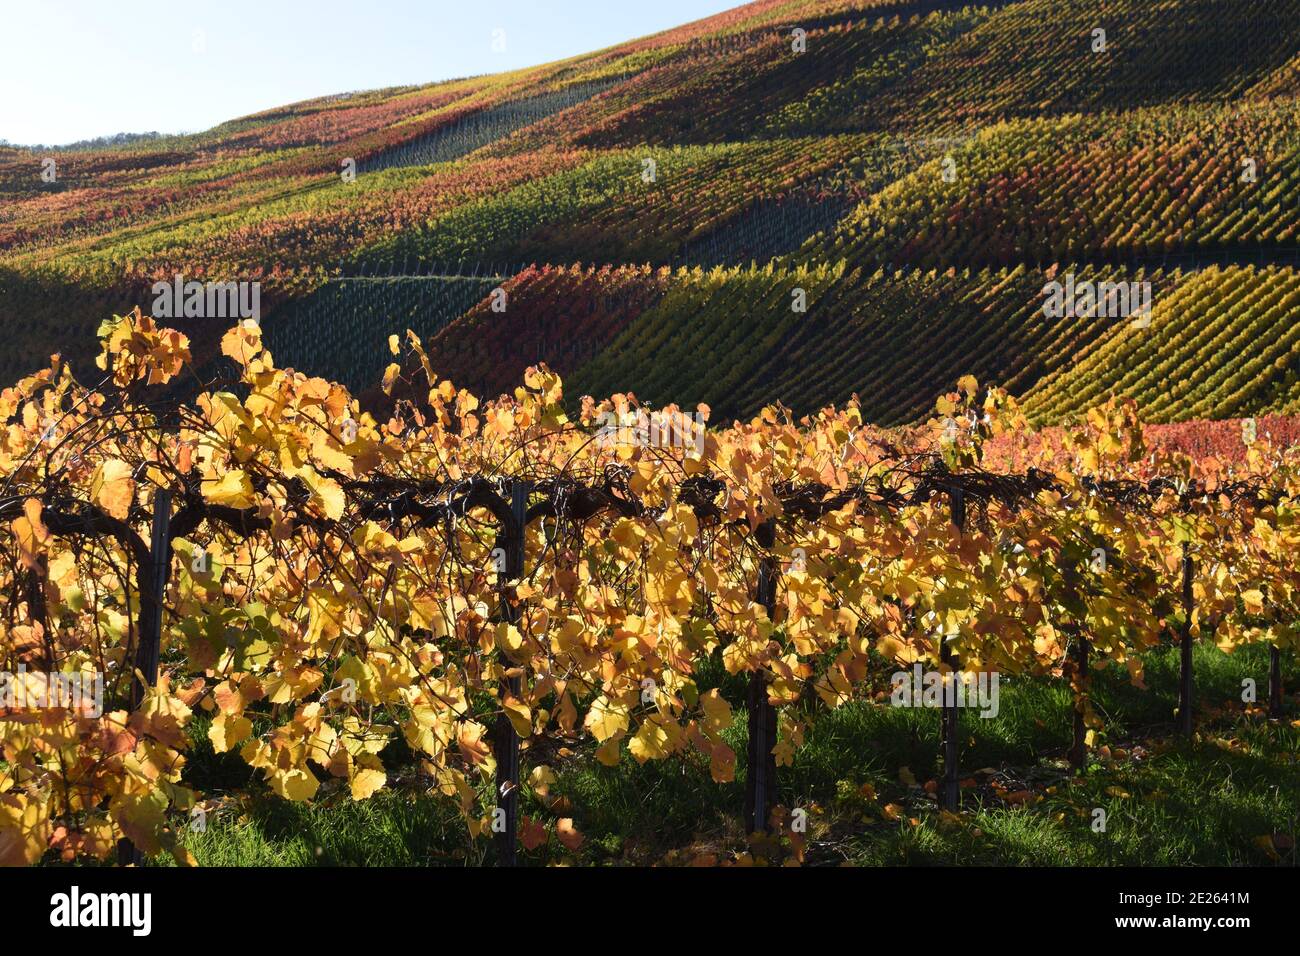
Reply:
x=796 y=200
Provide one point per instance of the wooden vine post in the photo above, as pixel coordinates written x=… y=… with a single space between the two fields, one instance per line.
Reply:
x=151 y=579
x=1079 y=678
x=1079 y=746
x=950 y=722
x=507 y=749
x=1274 y=682
x=1185 y=686
x=760 y=783
x=37 y=611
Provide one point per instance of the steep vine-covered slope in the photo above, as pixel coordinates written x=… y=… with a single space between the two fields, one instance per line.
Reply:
x=917 y=170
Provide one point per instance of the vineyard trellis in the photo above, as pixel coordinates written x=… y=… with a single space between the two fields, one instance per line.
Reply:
x=644 y=560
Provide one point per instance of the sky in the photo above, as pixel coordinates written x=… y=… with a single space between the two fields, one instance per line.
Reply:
x=77 y=69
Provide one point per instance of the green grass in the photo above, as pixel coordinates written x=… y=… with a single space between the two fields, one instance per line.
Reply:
x=390 y=829
x=1167 y=802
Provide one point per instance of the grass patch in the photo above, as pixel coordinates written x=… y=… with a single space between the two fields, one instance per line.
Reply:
x=1229 y=797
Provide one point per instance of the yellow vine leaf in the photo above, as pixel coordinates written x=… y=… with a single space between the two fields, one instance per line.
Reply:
x=520 y=716
x=228 y=731
x=651 y=742
x=366 y=782
x=606 y=719
x=113 y=489
x=296 y=784
x=234 y=489
x=242 y=343
x=30 y=532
